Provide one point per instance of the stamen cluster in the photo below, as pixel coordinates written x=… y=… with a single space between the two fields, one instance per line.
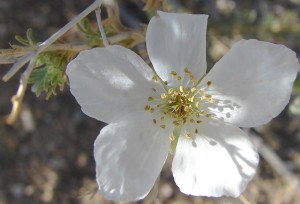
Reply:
x=179 y=104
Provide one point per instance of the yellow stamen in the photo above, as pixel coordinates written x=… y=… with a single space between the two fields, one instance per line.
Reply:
x=186 y=70
x=150 y=98
x=180 y=104
x=188 y=135
x=172 y=137
x=173 y=73
x=163 y=95
x=170 y=91
x=193 y=90
x=154 y=78
x=181 y=89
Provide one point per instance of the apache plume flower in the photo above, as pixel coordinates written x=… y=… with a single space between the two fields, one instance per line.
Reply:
x=180 y=108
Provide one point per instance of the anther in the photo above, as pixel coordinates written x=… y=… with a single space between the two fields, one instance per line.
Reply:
x=176 y=123
x=209 y=83
x=163 y=126
x=154 y=78
x=196 y=131
x=154 y=121
x=150 y=98
x=172 y=137
x=178 y=78
x=173 y=73
x=147 y=107
x=191 y=99
x=193 y=90
x=163 y=95
x=181 y=89
x=170 y=91
x=186 y=70
x=187 y=135
x=153 y=89
x=194 y=81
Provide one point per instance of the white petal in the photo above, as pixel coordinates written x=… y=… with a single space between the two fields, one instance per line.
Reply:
x=129 y=156
x=108 y=82
x=176 y=41
x=221 y=160
x=253 y=82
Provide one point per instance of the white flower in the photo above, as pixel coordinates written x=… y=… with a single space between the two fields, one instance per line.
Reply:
x=148 y=114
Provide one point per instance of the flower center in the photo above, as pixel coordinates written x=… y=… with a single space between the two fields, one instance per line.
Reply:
x=181 y=105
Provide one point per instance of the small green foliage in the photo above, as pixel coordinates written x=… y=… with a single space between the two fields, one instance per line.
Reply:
x=49 y=73
x=29 y=41
x=296 y=89
x=127 y=42
x=294 y=106
x=93 y=36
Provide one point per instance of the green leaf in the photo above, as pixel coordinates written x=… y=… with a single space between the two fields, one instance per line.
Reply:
x=21 y=40
x=49 y=74
x=297 y=85
x=294 y=107
x=30 y=37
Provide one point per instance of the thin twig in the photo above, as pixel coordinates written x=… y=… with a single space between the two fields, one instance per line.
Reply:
x=32 y=56
x=53 y=38
x=9 y=56
x=100 y=26
x=18 y=98
x=69 y=25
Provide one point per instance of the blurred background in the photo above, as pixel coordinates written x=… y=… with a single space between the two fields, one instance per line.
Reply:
x=47 y=155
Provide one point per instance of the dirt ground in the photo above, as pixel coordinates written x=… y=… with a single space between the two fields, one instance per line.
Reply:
x=47 y=156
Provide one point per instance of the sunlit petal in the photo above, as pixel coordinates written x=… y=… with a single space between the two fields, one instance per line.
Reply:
x=176 y=41
x=219 y=160
x=252 y=83
x=105 y=81
x=129 y=156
